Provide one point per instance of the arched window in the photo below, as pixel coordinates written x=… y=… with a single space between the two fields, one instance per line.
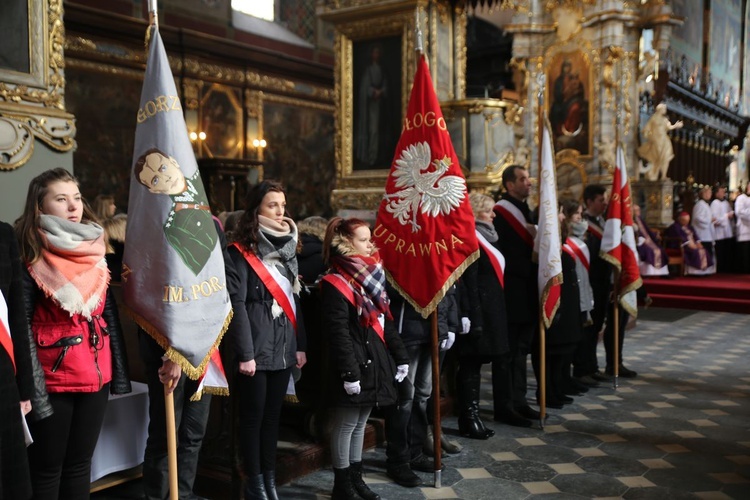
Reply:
x=263 y=9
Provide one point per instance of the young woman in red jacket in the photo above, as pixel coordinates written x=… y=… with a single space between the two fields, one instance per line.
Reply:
x=75 y=329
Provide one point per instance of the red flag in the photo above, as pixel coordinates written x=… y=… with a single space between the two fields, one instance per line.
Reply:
x=425 y=226
x=547 y=242
x=618 y=242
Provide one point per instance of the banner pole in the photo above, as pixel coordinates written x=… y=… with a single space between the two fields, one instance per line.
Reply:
x=542 y=332
x=171 y=442
x=153 y=16
x=616 y=340
x=542 y=373
x=616 y=287
x=437 y=447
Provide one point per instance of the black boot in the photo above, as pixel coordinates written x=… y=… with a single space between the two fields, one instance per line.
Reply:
x=469 y=423
x=343 y=489
x=269 y=480
x=355 y=472
x=255 y=489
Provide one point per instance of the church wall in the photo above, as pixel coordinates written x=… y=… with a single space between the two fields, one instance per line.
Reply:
x=15 y=182
x=233 y=93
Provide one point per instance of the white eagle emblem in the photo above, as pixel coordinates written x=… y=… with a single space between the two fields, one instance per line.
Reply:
x=435 y=192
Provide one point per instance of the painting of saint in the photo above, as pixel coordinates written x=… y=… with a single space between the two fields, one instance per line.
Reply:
x=377 y=102
x=568 y=90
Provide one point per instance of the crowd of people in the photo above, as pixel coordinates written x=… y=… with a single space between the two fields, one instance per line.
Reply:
x=715 y=237
x=65 y=352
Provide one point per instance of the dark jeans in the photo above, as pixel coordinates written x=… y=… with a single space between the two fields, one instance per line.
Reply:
x=190 y=422
x=60 y=458
x=261 y=397
x=509 y=370
x=406 y=421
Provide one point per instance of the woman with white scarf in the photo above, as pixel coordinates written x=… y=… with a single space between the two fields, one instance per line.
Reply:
x=267 y=328
x=76 y=333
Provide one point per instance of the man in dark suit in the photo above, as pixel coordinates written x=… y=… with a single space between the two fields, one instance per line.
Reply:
x=516 y=230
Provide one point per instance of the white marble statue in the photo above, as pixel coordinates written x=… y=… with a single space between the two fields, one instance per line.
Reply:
x=657 y=150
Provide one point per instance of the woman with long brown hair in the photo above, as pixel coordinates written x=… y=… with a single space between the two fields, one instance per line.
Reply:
x=76 y=330
x=267 y=328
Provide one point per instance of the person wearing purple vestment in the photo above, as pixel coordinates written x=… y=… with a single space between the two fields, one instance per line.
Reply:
x=697 y=260
x=652 y=258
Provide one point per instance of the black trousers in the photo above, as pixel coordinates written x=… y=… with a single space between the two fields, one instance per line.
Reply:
x=60 y=457
x=261 y=398
x=509 y=370
x=724 y=255
x=584 y=359
x=191 y=418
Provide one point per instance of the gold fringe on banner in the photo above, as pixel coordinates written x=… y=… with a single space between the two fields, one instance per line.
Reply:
x=193 y=372
x=556 y=280
x=426 y=311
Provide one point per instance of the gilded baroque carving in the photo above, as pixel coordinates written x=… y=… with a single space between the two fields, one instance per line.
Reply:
x=19 y=132
x=34 y=106
x=82 y=48
x=459 y=55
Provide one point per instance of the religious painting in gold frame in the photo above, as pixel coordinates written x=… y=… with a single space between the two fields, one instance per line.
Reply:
x=571 y=175
x=222 y=123
x=392 y=34
x=569 y=103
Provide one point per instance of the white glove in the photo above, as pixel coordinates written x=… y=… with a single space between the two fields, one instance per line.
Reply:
x=352 y=387
x=641 y=240
x=465 y=325
x=448 y=343
x=401 y=372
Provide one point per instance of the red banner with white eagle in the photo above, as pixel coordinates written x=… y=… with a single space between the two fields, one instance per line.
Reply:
x=618 y=242
x=425 y=226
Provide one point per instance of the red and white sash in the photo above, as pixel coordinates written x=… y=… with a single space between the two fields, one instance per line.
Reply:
x=345 y=289
x=496 y=258
x=580 y=250
x=595 y=229
x=279 y=287
x=5 y=339
x=515 y=218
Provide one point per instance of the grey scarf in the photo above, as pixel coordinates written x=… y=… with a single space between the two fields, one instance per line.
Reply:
x=487 y=230
x=277 y=245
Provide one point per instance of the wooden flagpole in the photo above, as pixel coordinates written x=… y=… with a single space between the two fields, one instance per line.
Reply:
x=616 y=286
x=435 y=343
x=542 y=332
x=153 y=19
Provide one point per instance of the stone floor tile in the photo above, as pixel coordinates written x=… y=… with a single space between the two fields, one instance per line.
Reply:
x=476 y=473
x=589 y=452
x=656 y=463
x=689 y=434
x=504 y=456
x=574 y=416
x=567 y=468
x=611 y=438
x=712 y=495
x=703 y=422
x=729 y=477
x=539 y=488
x=530 y=442
x=645 y=414
x=673 y=448
x=661 y=404
x=438 y=493
x=636 y=482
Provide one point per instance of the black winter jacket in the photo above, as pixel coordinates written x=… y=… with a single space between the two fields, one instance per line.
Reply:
x=271 y=342
x=484 y=298
x=521 y=296
x=357 y=353
x=413 y=328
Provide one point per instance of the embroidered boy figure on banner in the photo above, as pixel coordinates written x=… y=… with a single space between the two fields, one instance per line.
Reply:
x=188 y=228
